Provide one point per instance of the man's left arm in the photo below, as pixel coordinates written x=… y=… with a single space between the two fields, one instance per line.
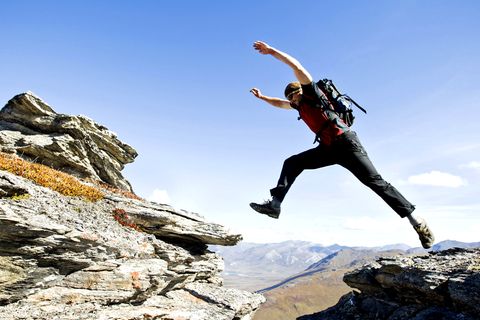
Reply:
x=276 y=102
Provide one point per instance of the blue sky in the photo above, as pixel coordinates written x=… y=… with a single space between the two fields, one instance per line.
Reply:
x=172 y=79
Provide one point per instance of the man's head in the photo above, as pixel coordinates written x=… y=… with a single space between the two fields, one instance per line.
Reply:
x=293 y=92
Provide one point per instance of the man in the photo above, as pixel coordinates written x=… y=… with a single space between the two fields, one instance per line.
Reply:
x=338 y=145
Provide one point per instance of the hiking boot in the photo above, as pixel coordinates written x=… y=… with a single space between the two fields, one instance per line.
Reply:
x=425 y=234
x=270 y=208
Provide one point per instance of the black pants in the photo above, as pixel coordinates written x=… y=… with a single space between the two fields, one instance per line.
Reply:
x=348 y=152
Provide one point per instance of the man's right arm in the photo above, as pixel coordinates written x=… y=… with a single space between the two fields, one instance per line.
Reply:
x=302 y=75
x=276 y=102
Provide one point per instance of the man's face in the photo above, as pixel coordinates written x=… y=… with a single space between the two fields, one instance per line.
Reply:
x=295 y=98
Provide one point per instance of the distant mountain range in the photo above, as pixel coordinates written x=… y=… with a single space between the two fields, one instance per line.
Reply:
x=318 y=287
x=297 y=277
x=254 y=266
x=444 y=245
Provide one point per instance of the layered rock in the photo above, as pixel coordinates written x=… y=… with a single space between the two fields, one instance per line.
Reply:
x=73 y=144
x=443 y=285
x=66 y=258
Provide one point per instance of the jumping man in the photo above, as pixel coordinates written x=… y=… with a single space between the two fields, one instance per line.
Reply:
x=338 y=145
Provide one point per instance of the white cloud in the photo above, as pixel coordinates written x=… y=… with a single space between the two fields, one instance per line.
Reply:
x=437 y=179
x=475 y=165
x=159 y=196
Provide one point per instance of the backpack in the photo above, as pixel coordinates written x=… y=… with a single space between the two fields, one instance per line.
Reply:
x=342 y=104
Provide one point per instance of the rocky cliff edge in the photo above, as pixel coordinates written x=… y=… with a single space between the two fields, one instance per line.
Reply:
x=63 y=257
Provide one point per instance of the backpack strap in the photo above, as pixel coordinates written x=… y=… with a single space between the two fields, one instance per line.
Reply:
x=344 y=95
x=358 y=106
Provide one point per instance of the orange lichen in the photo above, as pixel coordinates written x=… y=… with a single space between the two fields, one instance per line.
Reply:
x=48 y=177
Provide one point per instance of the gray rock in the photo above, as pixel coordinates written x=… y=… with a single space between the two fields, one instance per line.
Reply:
x=66 y=258
x=168 y=224
x=11 y=186
x=442 y=285
x=74 y=144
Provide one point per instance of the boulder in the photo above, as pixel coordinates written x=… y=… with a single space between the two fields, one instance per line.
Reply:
x=443 y=285
x=76 y=145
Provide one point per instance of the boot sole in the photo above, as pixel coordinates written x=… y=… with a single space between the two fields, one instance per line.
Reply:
x=261 y=210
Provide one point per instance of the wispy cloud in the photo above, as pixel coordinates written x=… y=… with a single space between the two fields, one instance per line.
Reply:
x=159 y=196
x=437 y=179
x=475 y=165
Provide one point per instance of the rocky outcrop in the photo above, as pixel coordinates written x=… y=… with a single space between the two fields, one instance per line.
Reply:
x=65 y=258
x=74 y=144
x=442 y=285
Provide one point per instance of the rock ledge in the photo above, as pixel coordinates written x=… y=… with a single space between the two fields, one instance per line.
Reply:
x=442 y=285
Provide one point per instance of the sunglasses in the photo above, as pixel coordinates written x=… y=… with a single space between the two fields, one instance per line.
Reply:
x=291 y=94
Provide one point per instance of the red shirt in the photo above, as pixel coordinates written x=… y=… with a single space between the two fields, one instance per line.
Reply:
x=317 y=112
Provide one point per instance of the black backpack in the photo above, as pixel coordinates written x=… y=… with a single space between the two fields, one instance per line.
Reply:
x=341 y=103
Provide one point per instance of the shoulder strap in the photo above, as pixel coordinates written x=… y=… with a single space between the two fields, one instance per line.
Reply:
x=354 y=102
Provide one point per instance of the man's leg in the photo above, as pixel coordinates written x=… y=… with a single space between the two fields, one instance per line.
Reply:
x=292 y=167
x=354 y=158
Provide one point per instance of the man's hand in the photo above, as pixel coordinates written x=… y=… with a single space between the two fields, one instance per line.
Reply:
x=262 y=47
x=276 y=102
x=256 y=93
x=300 y=72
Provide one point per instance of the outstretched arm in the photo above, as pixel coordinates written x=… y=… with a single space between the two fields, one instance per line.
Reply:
x=300 y=72
x=276 y=102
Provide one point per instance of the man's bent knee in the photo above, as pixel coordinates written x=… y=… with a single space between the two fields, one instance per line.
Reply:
x=292 y=161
